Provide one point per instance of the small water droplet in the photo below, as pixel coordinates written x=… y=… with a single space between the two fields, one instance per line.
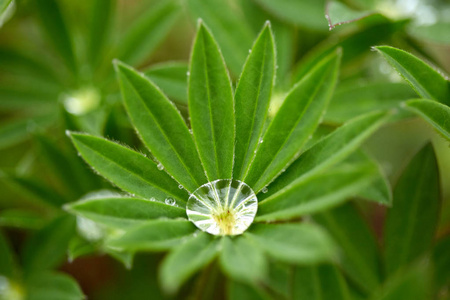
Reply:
x=133 y=195
x=152 y=199
x=261 y=141
x=180 y=186
x=188 y=73
x=160 y=166
x=265 y=190
x=170 y=201
x=249 y=50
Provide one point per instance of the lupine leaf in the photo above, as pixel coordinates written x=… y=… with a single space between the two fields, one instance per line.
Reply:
x=211 y=106
x=332 y=149
x=252 y=100
x=56 y=28
x=53 y=286
x=100 y=23
x=317 y=193
x=295 y=121
x=338 y=13
x=47 y=247
x=6 y=258
x=123 y=212
x=360 y=255
x=147 y=32
x=161 y=127
x=322 y=282
x=435 y=33
x=411 y=223
x=441 y=259
x=23 y=219
x=237 y=290
x=243 y=260
x=294 y=243
x=129 y=170
x=222 y=18
x=425 y=80
x=435 y=113
x=172 y=79
x=187 y=259
x=155 y=235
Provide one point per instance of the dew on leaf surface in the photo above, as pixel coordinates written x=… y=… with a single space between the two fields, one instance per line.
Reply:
x=222 y=207
x=170 y=201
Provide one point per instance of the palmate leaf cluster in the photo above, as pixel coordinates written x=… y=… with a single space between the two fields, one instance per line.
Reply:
x=305 y=117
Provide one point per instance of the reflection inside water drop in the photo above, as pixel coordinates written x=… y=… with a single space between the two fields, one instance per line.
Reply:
x=222 y=207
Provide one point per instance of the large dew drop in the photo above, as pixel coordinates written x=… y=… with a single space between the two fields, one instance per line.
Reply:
x=222 y=207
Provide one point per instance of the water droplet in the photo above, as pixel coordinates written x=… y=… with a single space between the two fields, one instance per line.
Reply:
x=160 y=166
x=188 y=73
x=265 y=190
x=249 y=50
x=170 y=201
x=180 y=186
x=261 y=141
x=133 y=195
x=152 y=199
x=222 y=207
x=190 y=131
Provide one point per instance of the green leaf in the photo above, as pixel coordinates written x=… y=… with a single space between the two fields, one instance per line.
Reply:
x=79 y=247
x=3 y=6
x=289 y=131
x=413 y=283
x=161 y=127
x=317 y=193
x=441 y=259
x=53 y=286
x=252 y=100
x=240 y=291
x=322 y=282
x=243 y=260
x=360 y=254
x=100 y=25
x=155 y=235
x=338 y=13
x=435 y=33
x=328 y=151
x=435 y=113
x=122 y=212
x=307 y=14
x=129 y=170
x=6 y=258
x=171 y=77
x=351 y=101
x=223 y=17
x=23 y=219
x=56 y=29
x=187 y=259
x=147 y=32
x=426 y=81
x=211 y=106
x=294 y=243
x=47 y=247
x=411 y=223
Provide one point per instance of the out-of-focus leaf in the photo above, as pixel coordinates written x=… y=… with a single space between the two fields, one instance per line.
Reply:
x=156 y=235
x=211 y=106
x=23 y=219
x=330 y=150
x=411 y=223
x=441 y=259
x=4 y=5
x=252 y=100
x=79 y=247
x=294 y=243
x=322 y=282
x=413 y=283
x=47 y=247
x=240 y=291
x=147 y=32
x=289 y=131
x=122 y=212
x=317 y=193
x=187 y=259
x=360 y=254
x=53 y=286
x=350 y=102
x=101 y=19
x=6 y=258
x=426 y=81
x=129 y=170
x=307 y=14
x=161 y=127
x=223 y=18
x=436 y=33
x=435 y=113
x=124 y=257
x=338 y=13
x=243 y=260
x=34 y=189
x=56 y=28
x=172 y=79
x=17 y=131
